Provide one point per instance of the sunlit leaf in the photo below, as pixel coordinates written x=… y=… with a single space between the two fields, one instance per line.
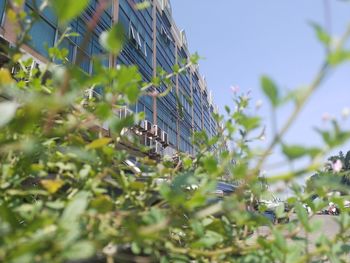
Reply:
x=302 y=215
x=270 y=89
x=5 y=77
x=102 y=204
x=75 y=208
x=322 y=35
x=339 y=56
x=8 y=110
x=52 y=186
x=67 y=10
x=79 y=250
x=113 y=39
x=142 y=5
x=98 y=143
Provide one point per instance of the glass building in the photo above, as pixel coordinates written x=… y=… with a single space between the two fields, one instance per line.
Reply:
x=153 y=42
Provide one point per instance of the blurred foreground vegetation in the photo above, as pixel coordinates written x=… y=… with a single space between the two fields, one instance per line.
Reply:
x=67 y=194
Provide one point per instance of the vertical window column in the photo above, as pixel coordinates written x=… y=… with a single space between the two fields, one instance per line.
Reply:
x=2 y=11
x=44 y=30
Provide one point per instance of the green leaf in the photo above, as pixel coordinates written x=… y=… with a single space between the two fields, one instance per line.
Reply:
x=250 y=123
x=75 y=208
x=322 y=35
x=79 y=250
x=103 y=204
x=135 y=248
x=176 y=68
x=339 y=56
x=302 y=216
x=7 y=112
x=67 y=10
x=280 y=241
x=113 y=39
x=280 y=211
x=208 y=240
x=98 y=143
x=142 y=5
x=52 y=186
x=210 y=164
x=8 y=215
x=270 y=89
x=294 y=151
x=5 y=77
x=194 y=59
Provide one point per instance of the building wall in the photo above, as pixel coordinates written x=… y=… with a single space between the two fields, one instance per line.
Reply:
x=153 y=43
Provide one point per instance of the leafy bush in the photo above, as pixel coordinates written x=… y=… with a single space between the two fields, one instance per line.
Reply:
x=67 y=194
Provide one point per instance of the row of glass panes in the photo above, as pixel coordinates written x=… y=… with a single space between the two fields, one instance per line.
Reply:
x=44 y=34
x=137 y=40
x=140 y=37
x=185 y=103
x=2 y=11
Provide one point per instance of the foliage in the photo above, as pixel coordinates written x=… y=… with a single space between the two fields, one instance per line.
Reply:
x=329 y=174
x=67 y=193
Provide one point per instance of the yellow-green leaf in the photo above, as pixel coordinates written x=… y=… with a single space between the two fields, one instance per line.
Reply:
x=270 y=89
x=98 y=143
x=113 y=39
x=142 y=5
x=5 y=77
x=67 y=10
x=52 y=186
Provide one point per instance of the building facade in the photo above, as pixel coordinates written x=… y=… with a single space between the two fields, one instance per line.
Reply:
x=153 y=42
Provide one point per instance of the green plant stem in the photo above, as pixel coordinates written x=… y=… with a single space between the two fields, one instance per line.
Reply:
x=170 y=75
x=322 y=74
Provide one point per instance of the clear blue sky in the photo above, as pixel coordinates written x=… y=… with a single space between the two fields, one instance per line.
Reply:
x=243 y=39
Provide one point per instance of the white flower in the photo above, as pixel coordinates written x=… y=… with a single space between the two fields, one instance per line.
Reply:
x=258 y=104
x=345 y=112
x=235 y=89
x=326 y=117
x=337 y=166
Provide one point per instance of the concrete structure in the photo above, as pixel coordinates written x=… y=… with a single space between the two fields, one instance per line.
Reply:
x=153 y=42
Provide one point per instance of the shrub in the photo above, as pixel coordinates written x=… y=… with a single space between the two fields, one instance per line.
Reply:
x=68 y=196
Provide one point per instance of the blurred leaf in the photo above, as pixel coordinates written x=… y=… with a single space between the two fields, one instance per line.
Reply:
x=113 y=39
x=279 y=239
x=52 y=186
x=302 y=215
x=75 y=208
x=280 y=211
x=135 y=248
x=102 y=204
x=339 y=56
x=294 y=151
x=98 y=143
x=209 y=239
x=250 y=123
x=8 y=110
x=143 y=5
x=210 y=164
x=322 y=35
x=8 y=215
x=79 y=250
x=67 y=10
x=270 y=89
x=5 y=77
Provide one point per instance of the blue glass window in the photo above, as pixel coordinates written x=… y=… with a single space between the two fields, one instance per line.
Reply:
x=48 y=14
x=2 y=10
x=85 y=60
x=43 y=31
x=42 y=37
